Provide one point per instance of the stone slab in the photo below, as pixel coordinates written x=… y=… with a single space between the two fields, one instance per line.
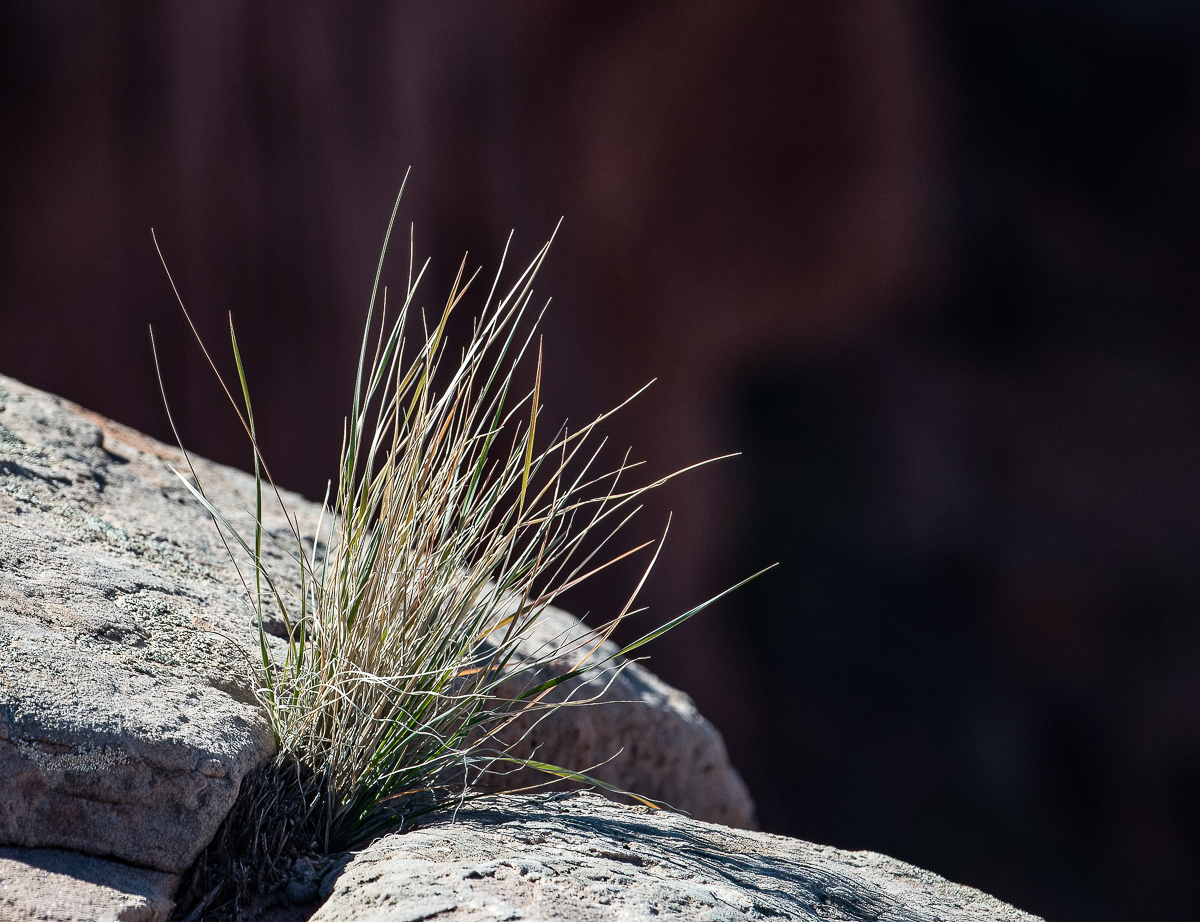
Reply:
x=583 y=858
x=46 y=883
x=642 y=735
x=127 y=718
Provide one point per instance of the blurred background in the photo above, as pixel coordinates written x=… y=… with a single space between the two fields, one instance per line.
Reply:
x=932 y=267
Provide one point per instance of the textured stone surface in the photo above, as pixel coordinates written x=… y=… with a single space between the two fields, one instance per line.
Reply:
x=45 y=883
x=583 y=858
x=127 y=722
x=126 y=714
x=667 y=750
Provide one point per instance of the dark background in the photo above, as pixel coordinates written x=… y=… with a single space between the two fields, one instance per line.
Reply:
x=932 y=267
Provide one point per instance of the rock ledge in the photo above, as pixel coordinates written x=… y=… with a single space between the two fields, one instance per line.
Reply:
x=581 y=857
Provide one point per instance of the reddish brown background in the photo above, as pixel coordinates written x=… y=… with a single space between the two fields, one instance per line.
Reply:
x=931 y=266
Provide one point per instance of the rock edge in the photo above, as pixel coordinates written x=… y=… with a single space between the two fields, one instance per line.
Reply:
x=581 y=857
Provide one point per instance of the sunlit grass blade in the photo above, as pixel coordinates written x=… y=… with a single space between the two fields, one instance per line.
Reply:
x=445 y=534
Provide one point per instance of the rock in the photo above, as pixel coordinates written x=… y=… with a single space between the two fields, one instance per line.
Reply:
x=128 y=721
x=45 y=883
x=127 y=716
x=664 y=749
x=305 y=884
x=578 y=856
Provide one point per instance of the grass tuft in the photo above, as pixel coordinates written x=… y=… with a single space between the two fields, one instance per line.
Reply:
x=454 y=521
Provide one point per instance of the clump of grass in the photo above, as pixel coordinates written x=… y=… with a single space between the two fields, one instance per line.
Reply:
x=455 y=520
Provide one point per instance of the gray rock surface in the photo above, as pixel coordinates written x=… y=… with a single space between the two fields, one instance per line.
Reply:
x=126 y=713
x=45 y=883
x=667 y=750
x=127 y=723
x=580 y=857
x=127 y=719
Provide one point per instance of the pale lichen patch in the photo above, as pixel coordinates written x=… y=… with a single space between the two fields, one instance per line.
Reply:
x=83 y=758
